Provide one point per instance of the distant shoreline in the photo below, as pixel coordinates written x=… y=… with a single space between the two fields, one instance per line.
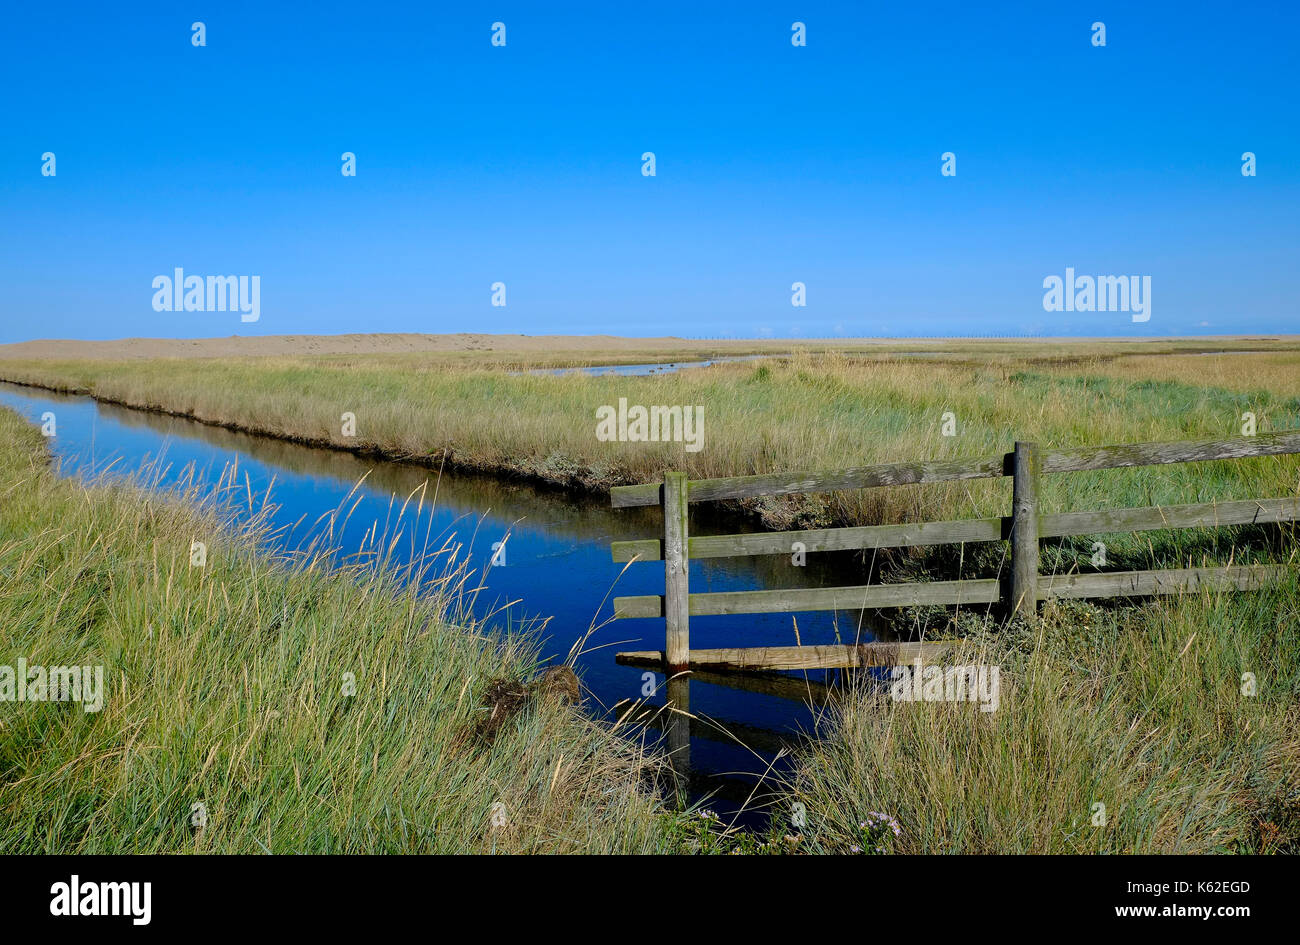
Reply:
x=583 y=347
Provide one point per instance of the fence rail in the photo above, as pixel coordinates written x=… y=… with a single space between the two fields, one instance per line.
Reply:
x=1023 y=528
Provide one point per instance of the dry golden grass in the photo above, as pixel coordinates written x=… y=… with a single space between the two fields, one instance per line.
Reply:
x=806 y=412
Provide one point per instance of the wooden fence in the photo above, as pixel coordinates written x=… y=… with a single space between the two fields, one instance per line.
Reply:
x=1022 y=591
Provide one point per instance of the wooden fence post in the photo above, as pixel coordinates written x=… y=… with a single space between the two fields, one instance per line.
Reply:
x=1024 y=529
x=676 y=571
x=677 y=731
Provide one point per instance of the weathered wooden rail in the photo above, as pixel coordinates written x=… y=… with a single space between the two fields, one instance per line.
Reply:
x=1023 y=528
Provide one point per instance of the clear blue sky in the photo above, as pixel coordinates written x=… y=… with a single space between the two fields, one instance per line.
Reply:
x=775 y=164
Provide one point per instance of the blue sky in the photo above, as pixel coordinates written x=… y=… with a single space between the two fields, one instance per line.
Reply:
x=775 y=164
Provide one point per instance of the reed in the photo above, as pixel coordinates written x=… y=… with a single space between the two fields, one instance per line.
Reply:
x=227 y=724
x=1140 y=709
x=809 y=411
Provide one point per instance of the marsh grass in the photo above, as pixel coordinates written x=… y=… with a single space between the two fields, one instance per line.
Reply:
x=805 y=412
x=1137 y=708
x=225 y=687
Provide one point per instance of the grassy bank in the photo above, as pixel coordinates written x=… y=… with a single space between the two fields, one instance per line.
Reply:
x=226 y=687
x=807 y=412
x=1137 y=708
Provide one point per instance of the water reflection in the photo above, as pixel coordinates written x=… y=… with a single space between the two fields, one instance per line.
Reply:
x=641 y=370
x=556 y=573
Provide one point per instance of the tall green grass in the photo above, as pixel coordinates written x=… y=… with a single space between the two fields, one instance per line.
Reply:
x=226 y=689
x=1135 y=707
x=1140 y=709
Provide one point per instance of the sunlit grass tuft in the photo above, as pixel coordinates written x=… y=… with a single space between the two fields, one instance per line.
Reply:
x=1139 y=709
x=227 y=687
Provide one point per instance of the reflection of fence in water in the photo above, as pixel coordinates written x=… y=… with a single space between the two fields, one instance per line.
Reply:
x=1020 y=592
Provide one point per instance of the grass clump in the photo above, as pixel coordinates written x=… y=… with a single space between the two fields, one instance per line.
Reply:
x=253 y=705
x=1143 y=709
